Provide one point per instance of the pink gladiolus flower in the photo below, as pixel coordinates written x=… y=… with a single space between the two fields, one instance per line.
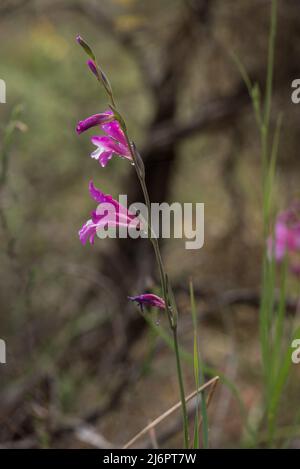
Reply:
x=110 y=213
x=286 y=240
x=113 y=143
x=149 y=299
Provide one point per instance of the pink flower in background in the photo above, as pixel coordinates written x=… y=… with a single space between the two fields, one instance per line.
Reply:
x=113 y=143
x=110 y=213
x=286 y=239
x=149 y=299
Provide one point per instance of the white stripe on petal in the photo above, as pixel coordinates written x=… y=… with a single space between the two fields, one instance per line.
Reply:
x=97 y=153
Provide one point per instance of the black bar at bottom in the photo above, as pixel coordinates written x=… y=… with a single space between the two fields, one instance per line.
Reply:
x=138 y=458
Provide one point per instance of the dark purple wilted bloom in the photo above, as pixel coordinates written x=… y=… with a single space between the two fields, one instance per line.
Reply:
x=286 y=240
x=149 y=299
x=113 y=143
x=113 y=215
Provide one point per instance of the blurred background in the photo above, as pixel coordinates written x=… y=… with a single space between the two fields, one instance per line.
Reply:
x=83 y=367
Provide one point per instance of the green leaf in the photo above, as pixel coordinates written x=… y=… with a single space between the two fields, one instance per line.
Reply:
x=199 y=379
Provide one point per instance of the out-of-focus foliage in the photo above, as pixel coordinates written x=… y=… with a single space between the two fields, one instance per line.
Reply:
x=46 y=318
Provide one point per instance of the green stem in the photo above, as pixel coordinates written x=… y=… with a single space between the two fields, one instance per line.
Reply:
x=165 y=288
x=265 y=127
x=181 y=388
x=268 y=278
x=270 y=69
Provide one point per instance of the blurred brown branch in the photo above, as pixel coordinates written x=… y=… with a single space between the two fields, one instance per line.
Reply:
x=10 y=6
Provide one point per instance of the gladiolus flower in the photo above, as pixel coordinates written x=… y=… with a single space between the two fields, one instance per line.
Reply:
x=113 y=143
x=286 y=240
x=110 y=213
x=149 y=299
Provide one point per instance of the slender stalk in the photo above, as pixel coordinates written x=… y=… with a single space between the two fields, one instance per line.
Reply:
x=181 y=388
x=265 y=127
x=155 y=245
x=165 y=288
x=270 y=69
x=269 y=344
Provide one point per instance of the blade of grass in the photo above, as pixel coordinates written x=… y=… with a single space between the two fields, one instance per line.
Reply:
x=253 y=89
x=279 y=323
x=279 y=384
x=209 y=397
x=199 y=379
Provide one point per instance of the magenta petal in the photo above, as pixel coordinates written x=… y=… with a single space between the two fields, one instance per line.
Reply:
x=120 y=210
x=92 y=121
x=105 y=157
x=101 y=198
x=107 y=143
x=114 y=130
x=96 y=194
x=281 y=240
x=101 y=155
x=87 y=232
x=286 y=239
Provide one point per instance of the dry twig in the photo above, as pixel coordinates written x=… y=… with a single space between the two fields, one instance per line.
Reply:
x=170 y=411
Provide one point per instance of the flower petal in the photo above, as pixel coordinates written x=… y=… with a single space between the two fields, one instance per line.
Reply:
x=109 y=144
x=88 y=232
x=92 y=121
x=96 y=193
x=149 y=299
x=122 y=214
x=113 y=129
x=105 y=157
x=286 y=238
